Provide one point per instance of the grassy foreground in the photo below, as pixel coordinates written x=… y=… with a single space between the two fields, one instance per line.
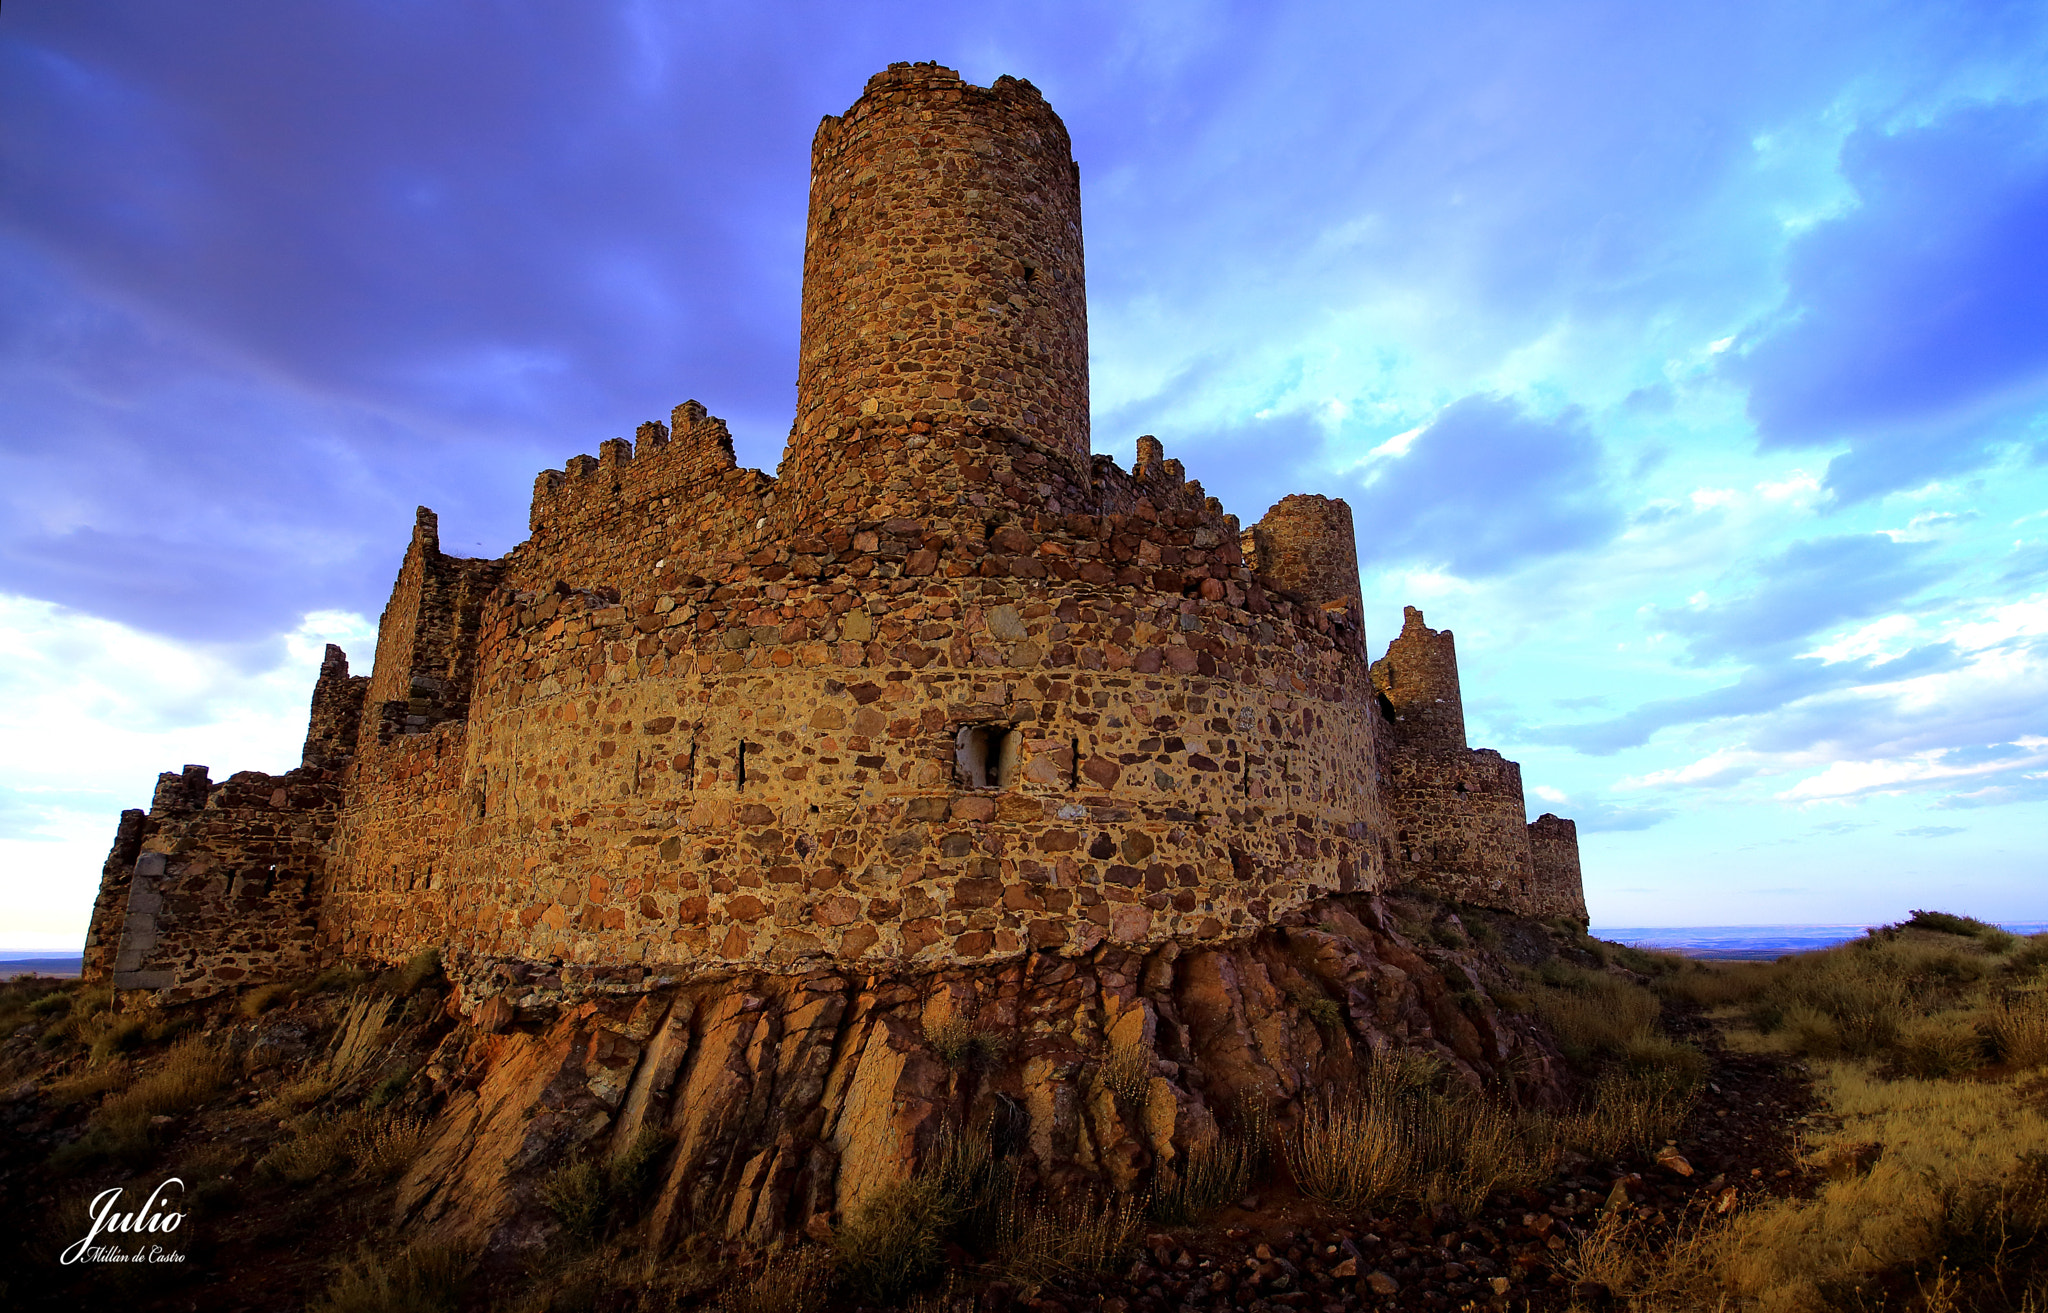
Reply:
x=1928 y=1177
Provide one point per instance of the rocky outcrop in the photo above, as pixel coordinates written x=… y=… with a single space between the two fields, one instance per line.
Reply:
x=792 y=1098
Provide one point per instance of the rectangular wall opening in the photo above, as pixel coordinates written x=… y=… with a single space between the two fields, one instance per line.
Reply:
x=985 y=756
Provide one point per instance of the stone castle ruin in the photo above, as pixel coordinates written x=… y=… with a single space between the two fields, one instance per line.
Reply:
x=950 y=688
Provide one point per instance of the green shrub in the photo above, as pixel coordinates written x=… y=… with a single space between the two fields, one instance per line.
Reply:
x=591 y=1195
x=575 y=1194
x=636 y=1170
x=894 y=1241
x=1969 y=927
x=54 y=1004
x=119 y=1035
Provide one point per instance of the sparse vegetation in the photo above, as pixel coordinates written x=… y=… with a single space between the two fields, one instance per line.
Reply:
x=1127 y=1071
x=590 y=1195
x=262 y=999
x=1078 y=1234
x=961 y=1046
x=1932 y=1192
x=796 y=1281
x=1211 y=1174
x=426 y=1277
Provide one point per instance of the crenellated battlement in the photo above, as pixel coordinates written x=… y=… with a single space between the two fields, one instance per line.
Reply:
x=662 y=460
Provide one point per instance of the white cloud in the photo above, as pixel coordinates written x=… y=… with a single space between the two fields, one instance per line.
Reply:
x=1880 y=641
x=1851 y=779
x=95 y=710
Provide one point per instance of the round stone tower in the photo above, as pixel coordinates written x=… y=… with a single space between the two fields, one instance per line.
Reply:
x=1418 y=679
x=1306 y=544
x=942 y=268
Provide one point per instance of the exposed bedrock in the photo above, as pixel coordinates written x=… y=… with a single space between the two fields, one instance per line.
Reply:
x=792 y=1098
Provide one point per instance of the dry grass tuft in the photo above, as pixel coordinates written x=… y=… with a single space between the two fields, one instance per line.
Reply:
x=1354 y=1150
x=794 y=1281
x=261 y=1000
x=2018 y=1029
x=1209 y=1176
x=1127 y=1070
x=425 y=1277
x=382 y=1150
x=1081 y=1234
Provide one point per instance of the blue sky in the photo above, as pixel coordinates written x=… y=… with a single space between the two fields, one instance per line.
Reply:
x=1690 y=361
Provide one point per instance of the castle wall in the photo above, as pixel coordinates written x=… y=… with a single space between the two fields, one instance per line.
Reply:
x=674 y=495
x=110 y=905
x=943 y=272
x=396 y=844
x=1459 y=826
x=950 y=688
x=1417 y=682
x=1224 y=739
x=1554 y=851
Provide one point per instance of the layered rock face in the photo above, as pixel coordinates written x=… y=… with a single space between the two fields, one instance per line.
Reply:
x=793 y=1098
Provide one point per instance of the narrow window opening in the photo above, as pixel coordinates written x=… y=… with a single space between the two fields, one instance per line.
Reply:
x=693 y=765
x=985 y=756
x=1244 y=782
x=1074 y=763
x=743 y=764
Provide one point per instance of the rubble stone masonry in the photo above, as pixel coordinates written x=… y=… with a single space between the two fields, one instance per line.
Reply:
x=949 y=688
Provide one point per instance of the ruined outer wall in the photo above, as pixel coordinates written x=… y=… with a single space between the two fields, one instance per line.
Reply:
x=1417 y=681
x=1554 y=852
x=221 y=892
x=1459 y=824
x=110 y=905
x=1194 y=754
x=943 y=281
